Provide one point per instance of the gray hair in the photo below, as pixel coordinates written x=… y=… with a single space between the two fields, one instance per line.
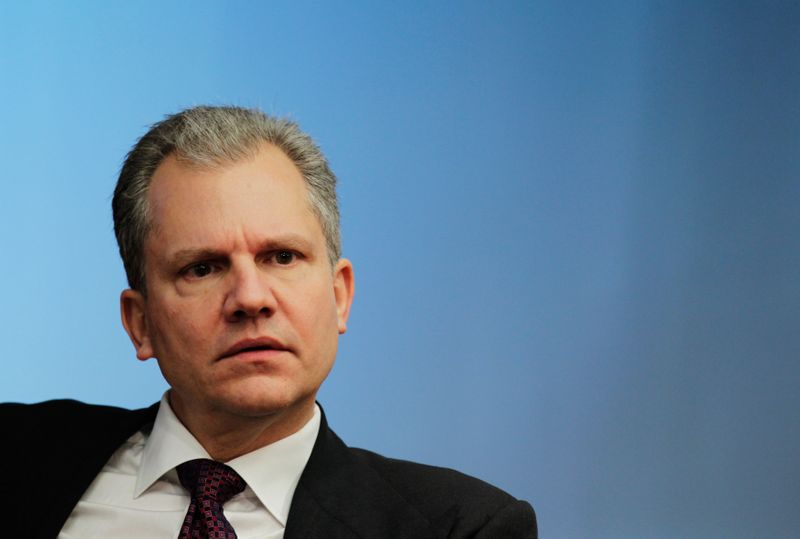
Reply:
x=211 y=137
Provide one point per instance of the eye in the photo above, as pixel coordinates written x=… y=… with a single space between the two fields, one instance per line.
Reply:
x=199 y=270
x=285 y=258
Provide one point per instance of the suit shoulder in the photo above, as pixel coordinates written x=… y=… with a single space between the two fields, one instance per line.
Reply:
x=57 y=412
x=60 y=405
x=448 y=497
x=430 y=479
x=69 y=421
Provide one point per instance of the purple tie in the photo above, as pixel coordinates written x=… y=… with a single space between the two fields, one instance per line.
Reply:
x=210 y=484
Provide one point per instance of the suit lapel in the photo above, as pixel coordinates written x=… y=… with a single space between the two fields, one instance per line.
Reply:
x=88 y=457
x=341 y=496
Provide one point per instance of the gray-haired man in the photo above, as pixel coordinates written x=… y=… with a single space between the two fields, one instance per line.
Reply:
x=228 y=227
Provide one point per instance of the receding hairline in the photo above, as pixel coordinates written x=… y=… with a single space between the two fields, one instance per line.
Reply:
x=211 y=137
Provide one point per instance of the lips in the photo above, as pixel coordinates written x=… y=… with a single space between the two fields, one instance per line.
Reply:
x=262 y=344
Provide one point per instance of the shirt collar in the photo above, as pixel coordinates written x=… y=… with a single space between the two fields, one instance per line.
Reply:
x=272 y=472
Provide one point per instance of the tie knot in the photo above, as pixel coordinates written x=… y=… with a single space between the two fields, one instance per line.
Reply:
x=209 y=479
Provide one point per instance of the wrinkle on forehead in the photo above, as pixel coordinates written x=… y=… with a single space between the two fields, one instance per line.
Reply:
x=222 y=169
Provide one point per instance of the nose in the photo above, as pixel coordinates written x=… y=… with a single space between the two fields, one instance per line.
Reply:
x=249 y=295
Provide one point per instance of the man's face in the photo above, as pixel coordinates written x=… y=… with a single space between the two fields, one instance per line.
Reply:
x=243 y=310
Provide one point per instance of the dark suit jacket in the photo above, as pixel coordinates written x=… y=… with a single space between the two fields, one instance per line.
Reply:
x=52 y=451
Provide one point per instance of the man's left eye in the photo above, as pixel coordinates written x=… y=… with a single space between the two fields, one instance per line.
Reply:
x=285 y=257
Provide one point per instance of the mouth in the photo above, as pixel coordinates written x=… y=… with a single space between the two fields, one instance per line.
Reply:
x=261 y=347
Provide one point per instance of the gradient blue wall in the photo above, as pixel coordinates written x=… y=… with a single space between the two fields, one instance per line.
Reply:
x=574 y=225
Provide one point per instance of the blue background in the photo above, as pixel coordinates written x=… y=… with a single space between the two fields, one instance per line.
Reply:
x=574 y=227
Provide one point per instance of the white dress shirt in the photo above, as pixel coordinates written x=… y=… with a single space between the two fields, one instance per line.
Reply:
x=137 y=494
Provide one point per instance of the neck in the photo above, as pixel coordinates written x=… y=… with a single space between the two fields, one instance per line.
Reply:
x=225 y=436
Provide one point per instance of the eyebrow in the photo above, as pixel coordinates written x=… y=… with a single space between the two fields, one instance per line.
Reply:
x=287 y=241
x=185 y=256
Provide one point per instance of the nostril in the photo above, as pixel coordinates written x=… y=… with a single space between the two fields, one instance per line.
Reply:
x=242 y=314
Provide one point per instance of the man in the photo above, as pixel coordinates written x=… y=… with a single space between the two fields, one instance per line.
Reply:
x=228 y=227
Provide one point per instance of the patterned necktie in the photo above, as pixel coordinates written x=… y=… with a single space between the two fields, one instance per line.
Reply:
x=210 y=485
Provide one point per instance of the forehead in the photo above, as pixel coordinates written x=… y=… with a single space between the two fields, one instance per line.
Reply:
x=262 y=195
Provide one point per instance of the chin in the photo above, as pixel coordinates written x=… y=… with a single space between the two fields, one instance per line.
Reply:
x=266 y=399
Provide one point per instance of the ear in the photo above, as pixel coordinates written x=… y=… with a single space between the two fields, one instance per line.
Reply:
x=134 y=320
x=343 y=291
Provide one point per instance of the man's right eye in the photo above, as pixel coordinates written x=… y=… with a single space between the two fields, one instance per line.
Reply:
x=198 y=271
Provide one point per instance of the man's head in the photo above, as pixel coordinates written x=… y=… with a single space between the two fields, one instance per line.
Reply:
x=211 y=137
x=236 y=285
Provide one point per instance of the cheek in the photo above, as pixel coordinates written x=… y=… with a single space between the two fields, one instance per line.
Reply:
x=316 y=318
x=178 y=328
